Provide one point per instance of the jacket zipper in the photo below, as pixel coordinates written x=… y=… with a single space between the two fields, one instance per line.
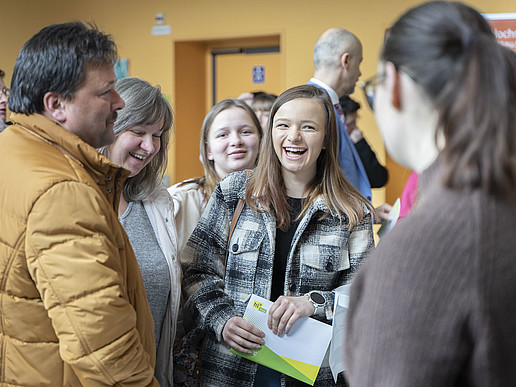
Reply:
x=116 y=187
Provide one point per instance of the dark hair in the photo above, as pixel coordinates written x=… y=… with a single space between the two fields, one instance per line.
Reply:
x=2 y=73
x=451 y=52
x=262 y=100
x=53 y=60
x=144 y=105
x=267 y=189
x=264 y=95
x=349 y=105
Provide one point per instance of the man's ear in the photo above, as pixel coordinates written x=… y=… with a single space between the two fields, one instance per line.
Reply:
x=54 y=106
x=344 y=60
x=393 y=84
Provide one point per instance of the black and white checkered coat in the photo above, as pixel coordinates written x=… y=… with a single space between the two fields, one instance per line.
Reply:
x=323 y=256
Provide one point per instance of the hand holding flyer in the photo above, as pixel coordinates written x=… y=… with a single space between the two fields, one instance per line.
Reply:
x=298 y=354
x=389 y=224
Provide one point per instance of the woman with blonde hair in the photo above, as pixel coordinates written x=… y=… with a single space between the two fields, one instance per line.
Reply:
x=142 y=132
x=230 y=141
x=302 y=232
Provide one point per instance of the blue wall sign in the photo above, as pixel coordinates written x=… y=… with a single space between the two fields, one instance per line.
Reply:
x=258 y=74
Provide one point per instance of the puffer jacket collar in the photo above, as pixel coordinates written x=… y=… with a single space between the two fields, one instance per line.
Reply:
x=108 y=176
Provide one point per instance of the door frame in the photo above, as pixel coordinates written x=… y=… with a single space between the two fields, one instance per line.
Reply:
x=237 y=50
x=194 y=94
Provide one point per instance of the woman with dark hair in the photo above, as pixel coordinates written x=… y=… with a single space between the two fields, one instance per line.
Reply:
x=142 y=132
x=434 y=304
x=230 y=141
x=302 y=232
x=261 y=105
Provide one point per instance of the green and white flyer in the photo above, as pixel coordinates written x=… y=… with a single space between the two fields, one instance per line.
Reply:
x=298 y=354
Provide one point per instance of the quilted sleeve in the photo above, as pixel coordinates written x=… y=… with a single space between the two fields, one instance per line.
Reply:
x=73 y=256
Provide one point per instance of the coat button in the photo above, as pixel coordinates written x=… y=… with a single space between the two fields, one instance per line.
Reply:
x=234 y=247
x=108 y=178
x=329 y=266
x=292 y=287
x=109 y=190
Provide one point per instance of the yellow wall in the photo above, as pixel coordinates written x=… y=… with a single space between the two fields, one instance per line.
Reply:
x=297 y=22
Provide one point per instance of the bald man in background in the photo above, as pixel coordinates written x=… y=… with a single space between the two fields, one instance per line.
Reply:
x=337 y=59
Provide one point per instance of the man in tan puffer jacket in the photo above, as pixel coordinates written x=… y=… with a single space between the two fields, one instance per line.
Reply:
x=73 y=309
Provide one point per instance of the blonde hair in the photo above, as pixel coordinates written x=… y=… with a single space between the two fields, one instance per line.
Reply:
x=144 y=105
x=211 y=178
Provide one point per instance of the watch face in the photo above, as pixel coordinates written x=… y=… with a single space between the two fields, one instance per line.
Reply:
x=317 y=298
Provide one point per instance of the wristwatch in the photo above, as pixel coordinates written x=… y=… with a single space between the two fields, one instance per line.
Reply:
x=317 y=300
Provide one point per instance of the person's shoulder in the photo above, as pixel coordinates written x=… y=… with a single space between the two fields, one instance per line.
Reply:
x=436 y=229
x=236 y=178
x=235 y=183
x=186 y=194
x=185 y=190
x=184 y=186
x=21 y=145
x=35 y=166
x=160 y=196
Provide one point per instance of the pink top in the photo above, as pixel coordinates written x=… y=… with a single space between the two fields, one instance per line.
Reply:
x=409 y=195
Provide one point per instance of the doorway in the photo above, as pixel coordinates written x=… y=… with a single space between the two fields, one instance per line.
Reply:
x=208 y=71
x=245 y=69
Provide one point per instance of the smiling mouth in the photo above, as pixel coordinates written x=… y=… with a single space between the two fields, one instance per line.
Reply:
x=137 y=156
x=294 y=153
x=237 y=154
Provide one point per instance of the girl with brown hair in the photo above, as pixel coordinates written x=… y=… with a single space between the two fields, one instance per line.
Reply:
x=303 y=231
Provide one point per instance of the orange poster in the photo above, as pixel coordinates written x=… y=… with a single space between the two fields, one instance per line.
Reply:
x=504 y=28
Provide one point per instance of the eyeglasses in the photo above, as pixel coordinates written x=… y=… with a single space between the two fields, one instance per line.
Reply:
x=6 y=91
x=369 y=88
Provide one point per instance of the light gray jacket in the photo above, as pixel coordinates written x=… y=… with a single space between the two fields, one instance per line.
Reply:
x=160 y=210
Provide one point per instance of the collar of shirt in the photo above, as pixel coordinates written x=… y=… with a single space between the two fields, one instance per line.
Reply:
x=333 y=94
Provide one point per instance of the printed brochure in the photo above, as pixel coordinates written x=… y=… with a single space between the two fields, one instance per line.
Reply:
x=298 y=354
